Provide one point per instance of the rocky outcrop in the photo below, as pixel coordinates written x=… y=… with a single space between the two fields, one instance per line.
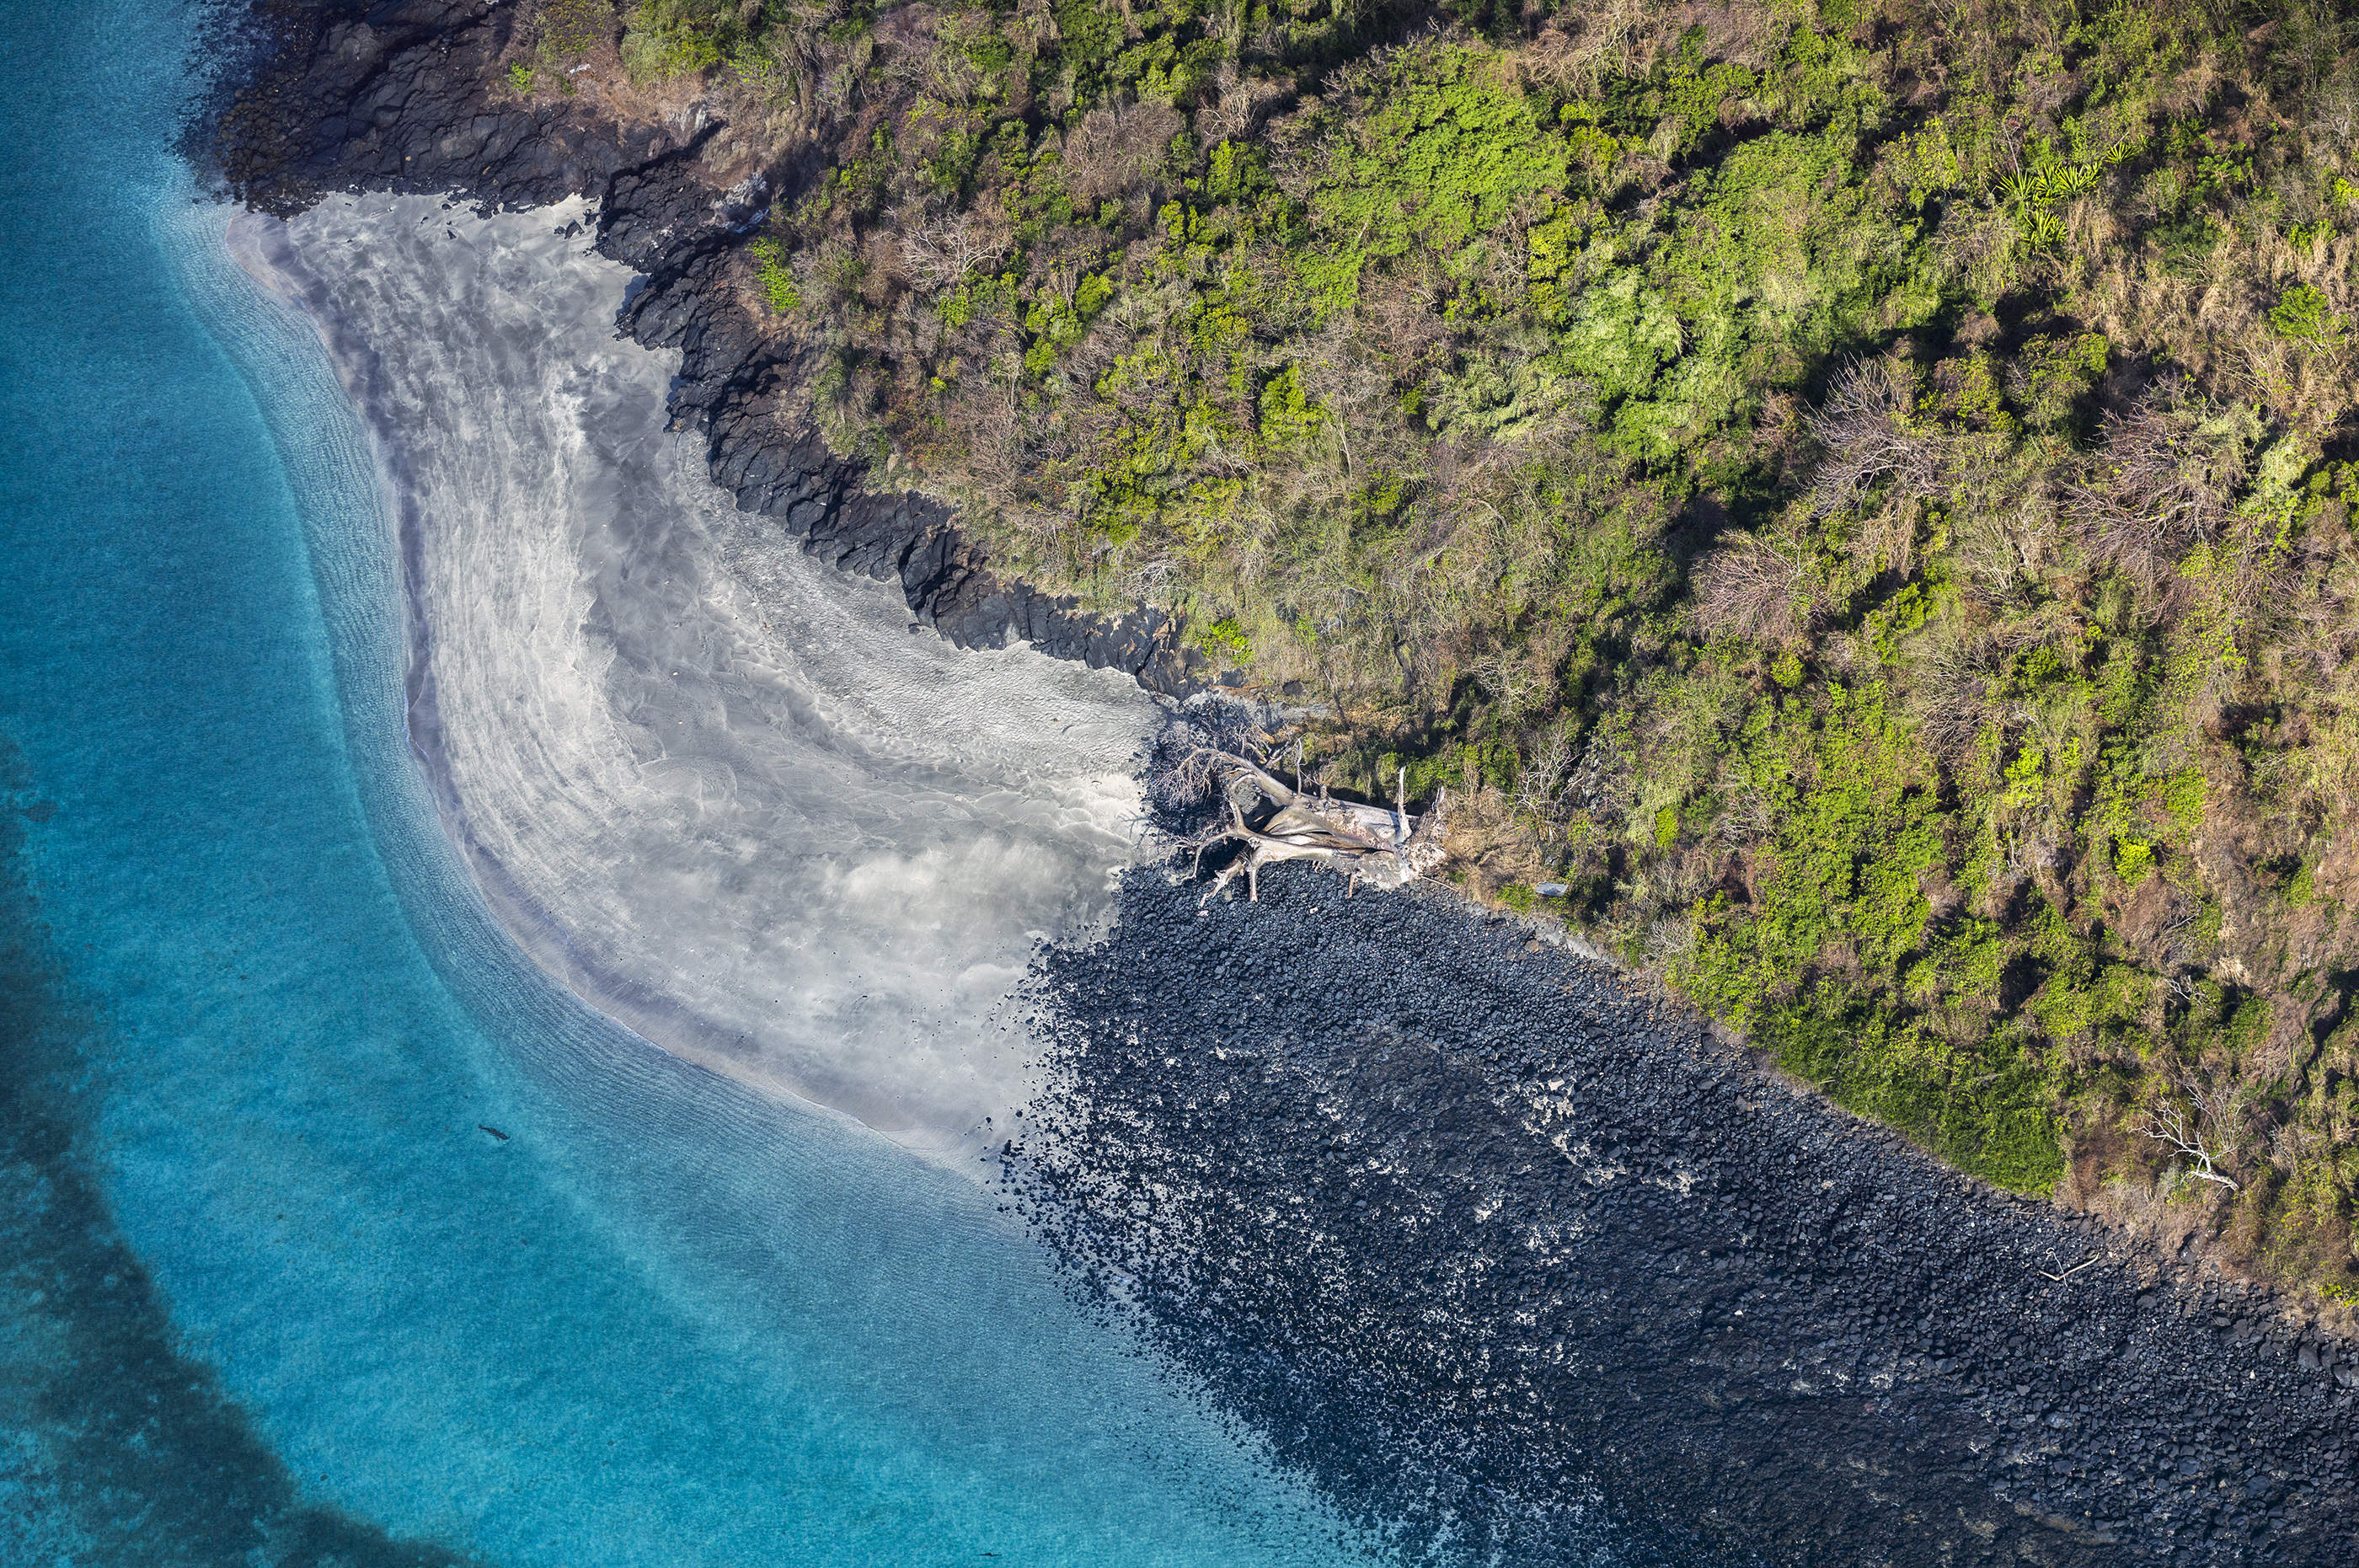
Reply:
x=1528 y=1271
x=399 y=97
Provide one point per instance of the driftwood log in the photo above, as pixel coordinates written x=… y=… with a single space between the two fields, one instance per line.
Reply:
x=1366 y=844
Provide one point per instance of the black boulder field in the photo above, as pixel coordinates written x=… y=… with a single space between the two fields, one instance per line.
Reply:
x=1532 y=1269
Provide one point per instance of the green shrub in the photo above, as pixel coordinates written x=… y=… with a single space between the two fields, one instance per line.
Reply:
x=771 y=272
x=2132 y=860
x=1988 y=1111
x=668 y=39
x=2304 y=314
x=1223 y=638
x=1438 y=150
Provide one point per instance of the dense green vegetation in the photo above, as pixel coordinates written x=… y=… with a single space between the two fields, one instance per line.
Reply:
x=1857 y=491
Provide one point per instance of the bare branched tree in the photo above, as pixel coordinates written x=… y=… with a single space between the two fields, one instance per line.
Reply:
x=1540 y=783
x=1505 y=675
x=942 y=252
x=1754 y=588
x=1952 y=698
x=1869 y=438
x=2164 y=480
x=1668 y=936
x=2198 y=1123
x=1238 y=107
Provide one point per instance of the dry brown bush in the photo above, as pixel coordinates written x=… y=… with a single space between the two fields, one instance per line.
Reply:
x=1238 y=107
x=1401 y=309
x=1115 y=149
x=1606 y=42
x=1865 y=428
x=1755 y=589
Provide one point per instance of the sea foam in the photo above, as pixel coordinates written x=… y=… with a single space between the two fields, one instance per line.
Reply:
x=722 y=791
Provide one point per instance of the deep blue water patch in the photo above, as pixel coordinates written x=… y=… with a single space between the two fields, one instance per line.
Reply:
x=124 y=1450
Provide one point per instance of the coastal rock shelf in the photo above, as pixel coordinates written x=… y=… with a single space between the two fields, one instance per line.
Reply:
x=1483 y=1241
x=396 y=101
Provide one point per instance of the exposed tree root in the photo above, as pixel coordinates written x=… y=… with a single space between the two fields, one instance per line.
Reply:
x=1366 y=844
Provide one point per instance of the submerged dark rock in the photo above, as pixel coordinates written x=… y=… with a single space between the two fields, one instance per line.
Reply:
x=398 y=97
x=1530 y=1269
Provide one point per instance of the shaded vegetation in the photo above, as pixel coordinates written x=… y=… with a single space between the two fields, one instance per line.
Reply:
x=1857 y=492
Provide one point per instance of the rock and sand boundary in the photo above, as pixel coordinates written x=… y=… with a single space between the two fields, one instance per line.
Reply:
x=400 y=100
x=1509 y=1259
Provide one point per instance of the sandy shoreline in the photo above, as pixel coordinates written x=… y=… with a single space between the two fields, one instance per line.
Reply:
x=262 y=248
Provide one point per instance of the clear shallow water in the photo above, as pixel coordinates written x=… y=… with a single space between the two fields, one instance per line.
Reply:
x=267 y=1289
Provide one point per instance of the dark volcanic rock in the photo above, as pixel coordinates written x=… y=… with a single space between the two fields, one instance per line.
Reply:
x=1504 y=1259
x=1518 y=1263
x=394 y=97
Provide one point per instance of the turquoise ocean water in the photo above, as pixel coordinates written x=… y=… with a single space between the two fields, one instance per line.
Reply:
x=267 y=1294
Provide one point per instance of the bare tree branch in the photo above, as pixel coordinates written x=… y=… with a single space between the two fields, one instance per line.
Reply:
x=944 y=251
x=1865 y=426
x=1753 y=588
x=2165 y=481
x=1367 y=843
x=2192 y=1121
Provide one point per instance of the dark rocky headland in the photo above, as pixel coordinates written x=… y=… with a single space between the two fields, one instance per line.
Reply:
x=1517 y=1264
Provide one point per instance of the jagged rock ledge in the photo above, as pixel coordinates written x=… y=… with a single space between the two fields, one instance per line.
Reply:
x=398 y=97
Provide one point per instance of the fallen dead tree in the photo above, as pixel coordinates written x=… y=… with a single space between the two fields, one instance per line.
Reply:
x=1273 y=824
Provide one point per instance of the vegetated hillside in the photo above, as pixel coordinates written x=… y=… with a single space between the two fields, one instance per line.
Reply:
x=1857 y=491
